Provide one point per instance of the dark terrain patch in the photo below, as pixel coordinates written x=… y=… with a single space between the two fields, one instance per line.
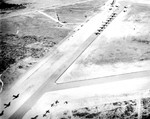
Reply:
x=8 y=6
x=116 y=110
x=82 y=114
x=146 y=108
x=14 y=48
x=142 y=41
x=91 y=116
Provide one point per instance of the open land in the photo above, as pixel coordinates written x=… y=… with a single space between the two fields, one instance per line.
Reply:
x=62 y=67
x=27 y=38
x=122 y=48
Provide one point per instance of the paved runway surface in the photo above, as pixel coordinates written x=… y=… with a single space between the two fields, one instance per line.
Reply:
x=45 y=77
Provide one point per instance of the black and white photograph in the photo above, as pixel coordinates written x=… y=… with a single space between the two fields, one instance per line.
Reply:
x=74 y=59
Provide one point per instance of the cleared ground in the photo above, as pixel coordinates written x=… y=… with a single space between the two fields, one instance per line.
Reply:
x=122 y=48
x=77 y=13
x=120 y=51
x=26 y=37
x=117 y=96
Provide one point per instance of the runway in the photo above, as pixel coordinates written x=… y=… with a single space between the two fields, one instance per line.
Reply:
x=45 y=77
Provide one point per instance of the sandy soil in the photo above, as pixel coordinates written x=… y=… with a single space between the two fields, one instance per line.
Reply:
x=122 y=48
